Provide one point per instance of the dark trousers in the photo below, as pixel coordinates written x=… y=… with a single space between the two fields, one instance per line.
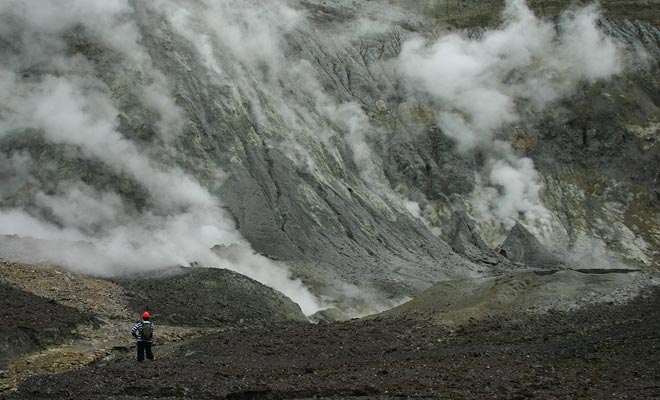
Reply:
x=141 y=348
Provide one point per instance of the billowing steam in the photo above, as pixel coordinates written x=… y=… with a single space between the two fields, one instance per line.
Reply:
x=69 y=105
x=480 y=83
x=52 y=93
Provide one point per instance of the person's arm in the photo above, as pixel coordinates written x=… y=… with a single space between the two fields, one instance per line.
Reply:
x=135 y=330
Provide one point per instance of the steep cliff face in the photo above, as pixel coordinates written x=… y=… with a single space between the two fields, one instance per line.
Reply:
x=321 y=135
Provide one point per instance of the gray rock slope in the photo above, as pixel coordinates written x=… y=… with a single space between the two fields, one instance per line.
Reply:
x=292 y=183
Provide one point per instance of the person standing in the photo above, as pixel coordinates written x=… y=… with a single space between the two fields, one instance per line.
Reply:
x=144 y=333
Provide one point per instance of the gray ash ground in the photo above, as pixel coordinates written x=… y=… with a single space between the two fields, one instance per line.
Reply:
x=603 y=352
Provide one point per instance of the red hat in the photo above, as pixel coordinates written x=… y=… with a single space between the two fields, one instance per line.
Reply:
x=145 y=314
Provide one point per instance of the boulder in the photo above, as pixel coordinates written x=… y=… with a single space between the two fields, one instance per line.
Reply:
x=522 y=247
x=465 y=239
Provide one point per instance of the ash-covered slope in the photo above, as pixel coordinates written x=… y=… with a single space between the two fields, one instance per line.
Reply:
x=582 y=172
x=32 y=323
x=207 y=297
x=157 y=149
x=515 y=294
x=339 y=138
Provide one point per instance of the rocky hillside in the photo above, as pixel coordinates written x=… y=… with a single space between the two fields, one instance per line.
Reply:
x=355 y=151
x=206 y=297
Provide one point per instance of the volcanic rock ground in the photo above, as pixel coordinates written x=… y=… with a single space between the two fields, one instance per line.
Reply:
x=606 y=350
x=54 y=320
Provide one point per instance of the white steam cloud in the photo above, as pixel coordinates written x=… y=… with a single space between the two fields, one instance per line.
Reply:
x=70 y=106
x=478 y=83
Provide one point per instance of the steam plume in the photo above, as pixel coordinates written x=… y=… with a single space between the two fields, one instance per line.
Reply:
x=478 y=84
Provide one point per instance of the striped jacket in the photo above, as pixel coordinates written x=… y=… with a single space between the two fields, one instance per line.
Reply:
x=137 y=330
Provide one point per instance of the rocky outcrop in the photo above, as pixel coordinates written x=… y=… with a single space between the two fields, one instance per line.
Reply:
x=522 y=247
x=89 y=295
x=465 y=239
